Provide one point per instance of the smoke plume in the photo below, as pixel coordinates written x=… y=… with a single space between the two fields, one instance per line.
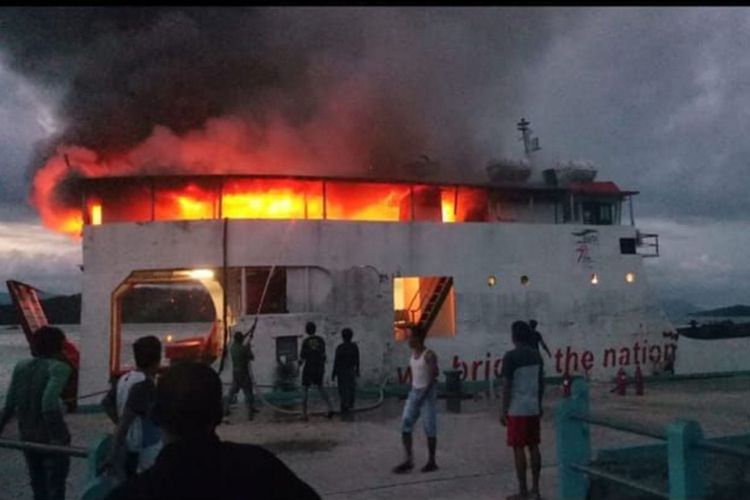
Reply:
x=360 y=91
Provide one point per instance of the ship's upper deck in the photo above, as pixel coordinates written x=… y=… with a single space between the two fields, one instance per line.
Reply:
x=171 y=197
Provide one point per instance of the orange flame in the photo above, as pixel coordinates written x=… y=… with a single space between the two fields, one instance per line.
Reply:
x=448 y=205
x=196 y=199
x=229 y=146
x=96 y=214
x=271 y=199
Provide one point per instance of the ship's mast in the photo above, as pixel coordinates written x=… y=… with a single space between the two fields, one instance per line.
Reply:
x=530 y=144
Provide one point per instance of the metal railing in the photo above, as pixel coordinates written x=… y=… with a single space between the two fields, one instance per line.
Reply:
x=94 y=456
x=73 y=451
x=685 y=451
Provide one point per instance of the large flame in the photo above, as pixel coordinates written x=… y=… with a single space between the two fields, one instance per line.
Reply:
x=194 y=198
x=229 y=147
x=260 y=199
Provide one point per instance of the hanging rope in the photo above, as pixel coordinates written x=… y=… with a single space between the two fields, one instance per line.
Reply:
x=282 y=247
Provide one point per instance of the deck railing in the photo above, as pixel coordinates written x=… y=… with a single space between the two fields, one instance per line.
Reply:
x=94 y=455
x=72 y=451
x=685 y=451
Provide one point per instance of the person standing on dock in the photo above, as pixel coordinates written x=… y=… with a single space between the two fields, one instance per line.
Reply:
x=130 y=403
x=313 y=357
x=522 y=407
x=346 y=370
x=241 y=354
x=35 y=397
x=423 y=395
x=535 y=338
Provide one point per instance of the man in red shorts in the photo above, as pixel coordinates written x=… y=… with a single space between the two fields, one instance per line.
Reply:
x=522 y=407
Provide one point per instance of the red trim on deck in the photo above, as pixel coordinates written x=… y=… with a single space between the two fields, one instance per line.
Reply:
x=605 y=187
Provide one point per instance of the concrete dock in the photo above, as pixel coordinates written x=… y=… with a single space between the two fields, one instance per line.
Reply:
x=352 y=460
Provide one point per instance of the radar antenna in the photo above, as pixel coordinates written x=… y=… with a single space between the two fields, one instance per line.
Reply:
x=530 y=144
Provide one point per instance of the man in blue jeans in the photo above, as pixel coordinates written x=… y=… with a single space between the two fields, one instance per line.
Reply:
x=423 y=395
x=35 y=397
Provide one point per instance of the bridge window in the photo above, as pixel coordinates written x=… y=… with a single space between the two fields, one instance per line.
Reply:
x=274 y=301
x=627 y=246
x=597 y=213
x=364 y=201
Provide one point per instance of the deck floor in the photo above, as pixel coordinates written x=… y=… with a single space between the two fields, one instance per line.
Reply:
x=352 y=460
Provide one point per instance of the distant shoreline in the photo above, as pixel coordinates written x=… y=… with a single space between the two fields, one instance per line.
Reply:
x=723 y=312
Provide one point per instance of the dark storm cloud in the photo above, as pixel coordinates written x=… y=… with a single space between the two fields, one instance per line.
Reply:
x=660 y=98
x=21 y=127
x=702 y=260
x=33 y=254
x=427 y=74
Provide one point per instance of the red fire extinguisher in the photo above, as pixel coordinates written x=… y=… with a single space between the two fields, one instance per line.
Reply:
x=620 y=383
x=638 y=381
x=566 y=384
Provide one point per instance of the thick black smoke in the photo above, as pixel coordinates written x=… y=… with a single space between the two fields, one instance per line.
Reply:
x=437 y=82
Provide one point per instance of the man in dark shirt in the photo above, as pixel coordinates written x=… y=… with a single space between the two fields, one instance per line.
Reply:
x=34 y=396
x=535 y=338
x=346 y=369
x=241 y=354
x=194 y=463
x=313 y=358
x=522 y=407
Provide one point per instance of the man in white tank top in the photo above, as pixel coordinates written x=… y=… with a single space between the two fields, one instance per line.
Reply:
x=423 y=395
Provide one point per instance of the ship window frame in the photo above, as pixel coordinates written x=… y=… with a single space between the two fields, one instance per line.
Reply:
x=275 y=301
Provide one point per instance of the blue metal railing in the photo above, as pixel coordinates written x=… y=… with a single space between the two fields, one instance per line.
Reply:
x=685 y=451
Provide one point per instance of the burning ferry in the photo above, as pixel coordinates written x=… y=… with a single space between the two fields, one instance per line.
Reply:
x=460 y=260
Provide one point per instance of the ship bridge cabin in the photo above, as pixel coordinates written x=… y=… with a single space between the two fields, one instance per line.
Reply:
x=145 y=199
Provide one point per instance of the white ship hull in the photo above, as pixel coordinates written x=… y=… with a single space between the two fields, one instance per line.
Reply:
x=341 y=274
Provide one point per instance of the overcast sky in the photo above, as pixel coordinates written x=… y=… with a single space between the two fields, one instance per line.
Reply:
x=659 y=99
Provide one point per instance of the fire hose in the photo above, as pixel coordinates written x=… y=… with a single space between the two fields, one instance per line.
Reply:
x=276 y=408
x=260 y=393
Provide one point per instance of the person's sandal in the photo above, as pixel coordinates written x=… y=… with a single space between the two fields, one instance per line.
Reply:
x=402 y=468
